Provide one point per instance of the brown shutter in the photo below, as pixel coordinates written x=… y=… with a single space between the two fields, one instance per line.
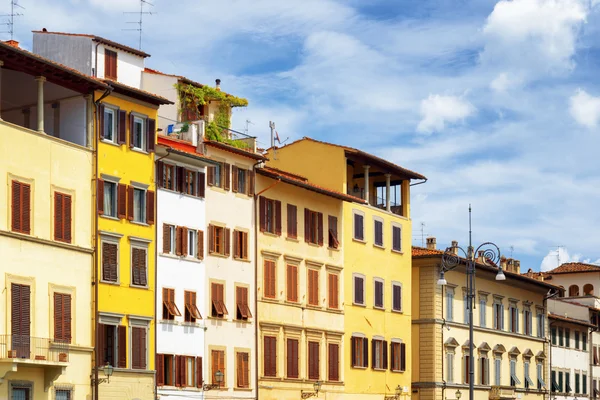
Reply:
x=200 y=254
x=372 y=353
x=211 y=239
x=236 y=244
x=234 y=180
x=227 y=238
x=210 y=181
x=365 y=352
x=101 y=120
x=160 y=174
x=16 y=206
x=151 y=134
x=66 y=306
x=99 y=196
x=130 y=203
x=122 y=340
x=320 y=228
x=58 y=317
x=178 y=240
x=131 y=130
x=67 y=220
x=307 y=225
x=122 y=201
x=353 y=353
x=184 y=241
x=26 y=208
x=160 y=369
x=333 y=362
x=100 y=345
x=122 y=134
x=385 y=355
x=58 y=216
x=177 y=362
x=263 y=213
x=142 y=347
x=278 y=217
x=238 y=370
x=201 y=184
x=166 y=239
x=150 y=207
x=402 y=356
x=199 y=379
x=180 y=179
x=227 y=176
x=250 y=182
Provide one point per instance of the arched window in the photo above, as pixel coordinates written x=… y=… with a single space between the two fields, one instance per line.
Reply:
x=588 y=290
x=573 y=290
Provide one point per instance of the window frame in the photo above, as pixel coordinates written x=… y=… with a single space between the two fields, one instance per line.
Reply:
x=168 y=305
x=359 y=345
x=310 y=373
x=237 y=369
x=192 y=313
x=115 y=125
x=141 y=120
x=310 y=288
x=113 y=240
x=399 y=285
x=110 y=55
x=143 y=206
x=65 y=222
x=336 y=305
x=115 y=198
x=364 y=294
x=135 y=323
x=288 y=295
x=378 y=354
x=396 y=227
x=267 y=285
x=358 y=214
x=25 y=218
x=139 y=246
x=378 y=221
x=381 y=282
x=217 y=304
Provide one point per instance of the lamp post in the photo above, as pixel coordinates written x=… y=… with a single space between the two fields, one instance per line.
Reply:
x=490 y=254
x=316 y=386
x=108 y=371
x=397 y=392
x=218 y=379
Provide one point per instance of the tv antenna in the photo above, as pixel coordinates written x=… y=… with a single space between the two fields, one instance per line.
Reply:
x=141 y=13
x=247 y=129
x=512 y=248
x=558 y=248
x=423 y=234
x=11 y=20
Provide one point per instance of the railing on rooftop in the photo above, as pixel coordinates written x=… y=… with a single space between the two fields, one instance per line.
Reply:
x=195 y=131
x=33 y=348
x=379 y=202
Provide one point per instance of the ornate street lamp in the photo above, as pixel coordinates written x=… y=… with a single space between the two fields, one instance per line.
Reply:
x=108 y=371
x=316 y=386
x=218 y=378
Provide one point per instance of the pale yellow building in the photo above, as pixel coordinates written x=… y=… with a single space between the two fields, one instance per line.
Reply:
x=510 y=331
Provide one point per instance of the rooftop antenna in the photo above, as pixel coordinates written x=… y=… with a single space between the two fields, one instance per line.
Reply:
x=512 y=248
x=558 y=252
x=141 y=13
x=423 y=234
x=247 y=129
x=11 y=20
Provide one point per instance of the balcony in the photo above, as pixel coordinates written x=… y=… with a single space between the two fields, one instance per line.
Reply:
x=379 y=200
x=21 y=348
x=195 y=133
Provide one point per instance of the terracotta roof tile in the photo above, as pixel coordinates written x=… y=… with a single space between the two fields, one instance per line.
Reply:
x=180 y=77
x=236 y=150
x=145 y=95
x=422 y=251
x=574 y=267
x=568 y=319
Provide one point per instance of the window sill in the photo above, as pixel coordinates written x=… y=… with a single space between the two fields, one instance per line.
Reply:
x=138 y=150
x=379 y=308
x=139 y=223
x=397 y=311
x=359 y=304
x=378 y=246
x=218 y=189
x=218 y=255
x=333 y=248
x=243 y=321
x=399 y=252
x=335 y=310
x=190 y=259
x=270 y=300
x=313 y=307
x=314 y=244
x=272 y=378
x=241 y=195
x=139 y=287
x=109 y=217
x=379 y=369
x=241 y=259
x=358 y=367
x=210 y=317
x=397 y=371
x=292 y=239
x=117 y=283
x=135 y=371
x=272 y=234
x=359 y=240
x=238 y=389
x=106 y=141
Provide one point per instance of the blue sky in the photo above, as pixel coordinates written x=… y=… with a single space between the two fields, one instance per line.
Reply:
x=496 y=102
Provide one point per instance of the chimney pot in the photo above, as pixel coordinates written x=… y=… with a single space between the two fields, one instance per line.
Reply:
x=44 y=30
x=455 y=247
x=218 y=82
x=12 y=43
x=431 y=243
x=503 y=263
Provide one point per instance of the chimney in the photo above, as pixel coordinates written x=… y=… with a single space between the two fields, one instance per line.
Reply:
x=517 y=266
x=218 y=82
x=12 y=43
x=455 y=247
x=431 y=243
x=503 y=263
x=481 y=257
x=511 y=265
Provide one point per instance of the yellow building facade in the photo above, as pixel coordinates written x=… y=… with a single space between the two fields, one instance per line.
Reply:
x=510 y=332
x=376 y=233
x=125 y=274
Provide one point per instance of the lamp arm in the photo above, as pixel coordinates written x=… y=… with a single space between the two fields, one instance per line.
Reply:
x=450 y=260
x=491 y=252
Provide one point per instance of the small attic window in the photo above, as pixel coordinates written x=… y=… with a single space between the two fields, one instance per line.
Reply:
x=110 y=64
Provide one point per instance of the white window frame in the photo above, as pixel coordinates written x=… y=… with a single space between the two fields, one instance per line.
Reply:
x=144 y=190
x=192 y=243
x=142 y=120
x=172 y=238
x=364 y=280
x=115 y=198
x=498 y=301
x=513 y=305
x=115 y=125
x=138 y=244
x=397 y=284
x=381 y=341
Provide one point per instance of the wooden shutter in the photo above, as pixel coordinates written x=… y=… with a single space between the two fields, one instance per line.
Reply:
x=184 y=241
x=292 y=283
x=16 y=206
x=365 y=349
x=385 y=355
x=334 y=362
x=151 y=134
x=292 y=358
x=150 y=207
x=292 y=226
x=313 y=287
x=122 y=201
x=201 y=184
x=178 y=240
x=58 y=216
x=179 y=179
x=177 y=361
x=333 y=290
x=160 y=369
x=269 y=279
x=99 y=196
x=250 y=182
x=199 y=377
x=131 y=130
x=122 y=129
x=262 y=205
x=210 y=181
x=226 y=176
x=122 y=340
x=234 y=180
x=200 y=237
x=402 y=356
x=100 y=340
x=278 y=217
x=320 y=229
x=130 y=203
x=67 y=218
x=21 y=207
x=166 y=239
x=307 y=225
x=21 y=319
x=101 y=120
x=270 y=356
x=62 y=317
x=313 y=360
x=226 y=241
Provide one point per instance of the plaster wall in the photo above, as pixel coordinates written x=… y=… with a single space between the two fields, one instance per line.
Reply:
x=129 y=66
x=163 y=85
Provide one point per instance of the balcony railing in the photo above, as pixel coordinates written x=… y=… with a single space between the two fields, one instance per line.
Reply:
x=22 y=347
x=378 y=202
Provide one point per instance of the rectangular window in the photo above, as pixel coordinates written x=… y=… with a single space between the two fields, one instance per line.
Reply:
x=189 y=182
x=561 y=340
x=313 y=287
x=498 y=316
x=191 y=309
x=359 y=290
x=168 y=239
x=270 y=215
x=243 y=370
x=313 y=227
x=484 y=369
x=292 y=221
x=110 y=64
x=584 y=383
x=139 y=205
x=378 y=229
x=333 y=290
x=192 y=243
x=450 y=367
x=110 y=124
x=113 y=342
x=527 y=322
x=553 y=336
x=379 y=354
x=313 y=360
x=62 y=317
x=269 y=277
x=270 y=356
x=292 y=283
x=541 y=324
x=218 y=365
x=240 y=245
x=568 y=382
x=169 y=310
x=398 y=353
x=139 y=347
x=584 y=341
x=168 y=177
x=334 y=242
x=360 y=352
x=62 y=217
x=561 y=381
x=359 y=232
x=567 y=337
x=21 y=207
x=577 y=383
x=242 y=303
x=514 y=318
x=449 y=304
x=540 y=376
x=396 y=297
x=60 y=394
x=218 y=240
x=378 y=293
x=396 y=238
x=217 y=294
x=139 y=267
x=110 y=199
x=216 y=175
x=527 y=376
x=555 y=386
x=466 y=365
x=110 y=261
x=292 y=358
x=242 y=175
x=482 y=312
x=577 y=340
x=466 y=308
x=138 y=135
x=333 y=362
x=497 y=371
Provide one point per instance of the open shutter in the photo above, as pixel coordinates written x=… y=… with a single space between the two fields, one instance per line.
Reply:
x=178 y=240
x=166 y=249
x=184 y=241
x=160 y=369
x=26 y=208
x=211 y=239
x=122 y=340
x=58 y=317
x=210 y=181
x=16 y=206
x=130 y=203
x=353 y=347
x=199 y=379
x=58 y=216
x=201 y=184
x=234 y=180
x=177 y=371
x=278 y=217
x=307 y=225
x=122 y=201
x=150 y=207
x=100 y=336
x=320 y=228
x=250 y=182
x=122 y=134
x=365 y=352
x=179 y=179
x=227 y=176
x=67 y=222
x=131 y=130
x=402 y=356
x=200 y=254
x=151 y=133
x=227 y=239
x=262 y=205
x=160 y=174
x=99 y=196
x=385 y=355
x=66 y=306
x=101 y=120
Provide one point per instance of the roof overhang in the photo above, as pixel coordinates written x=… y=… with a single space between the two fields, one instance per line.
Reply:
x=231 y=149
x=137 y=93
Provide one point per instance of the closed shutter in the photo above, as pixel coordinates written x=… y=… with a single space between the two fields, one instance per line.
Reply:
x=397 y=298
x=292 y=225
x=292 y=358
x=160 y=369
x=150 y=207
x=227 y=176
x=151 y=134
x=130 y=203
x=101 y=120
x=122 y=342
x=131 y=130
x=250 y=182
x=334 y=362
x=385 y=355
x=292 y=283
x=333 y=292
x=180 y=179
x=313 y=360
x=177 y=369
x=353 y=351
x=201 y=184
x=307 y=225
x=100 y=340
x=58 y=216
x=166 y=239
x=227 y=241
x=109 y=261
x=313 y=287
x=100 y=196
x=199 y=376
x=67 y=218
x=210 y=181
x=122 y=136
x=269 y=279
x=278 y=217
x=58 y=317
x=262 y=205
x=200 y=236
x=21 y=207
x=21 y=319
x=234 y=180
x=320 y=229
x=270 y=356
x=358 y=290
x=365 y=348
x=138 y=348
x=122 y=201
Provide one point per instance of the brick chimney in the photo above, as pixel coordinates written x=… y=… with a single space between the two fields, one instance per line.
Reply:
x=517 y=266
x=455 y=247
x=503 y=263
x=431 y=243
x=12 y=43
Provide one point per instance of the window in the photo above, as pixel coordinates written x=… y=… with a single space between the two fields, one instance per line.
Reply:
x=60 y=394
x=498 y=315
x=359 y=289
x=313 y=227
x=241 y=300
x=270 y=215
x=482 y=311
x=541 y=324
x=138 y=136
x=191 y=309
x=596 y=359
x=567 y=337
x=21 y=319
x=359 y=232
x=139 y=274
x=269 y=277
x=168 y=239
x=360 y=352
x=449 y=303
x=484 y=370
x=218 y=175
x=62 y=217
x=555 y=386
x=188 y=370
x=333 y=233
x=21 y=207
x=240 y=245
x=108 y=205
x=139 y=204
x=110 y=261
x=466 y=366
x=168 y=176
x=577 y=383
x=243 y=369
x=189 y=182
x=568 y=382
x=450 y=366
x=313 y=287
x=169 y=310
x=378 y=229
x=561 y=340
x=218 y=309
x=292 y=221
x=540 y=375
x=584 y=341
x=192 y=242
x=219 y=240
x=112 y=341
x=292 y=358
x=292 y=283
x=218 y=364
x=398 y=353
x=528 y=322
x=577 y=340
x=514 y=318
x=242 y=181
x=110 y=64
x=560 y=381
x=313 y=360
x=62 y=317
x=333 y=362
x=584 y=383
x=378 y=293
x=109 y=127
x=528 y=381
x=396 y=238
x=270 y=356
x=553 y=335
x=333 y=290
x=396 y=297
x=514 y=379
x=138 y=347
x=379 y=356
x=497 y=371
x=466 y=307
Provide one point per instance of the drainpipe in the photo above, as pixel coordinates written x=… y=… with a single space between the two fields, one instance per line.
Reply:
x=590 y=356
x=442 y=346
x=418 y=183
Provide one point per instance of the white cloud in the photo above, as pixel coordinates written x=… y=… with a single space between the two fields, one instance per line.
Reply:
x=437 y=110
x=557 y=257
x=585 y=108
x=504 y=82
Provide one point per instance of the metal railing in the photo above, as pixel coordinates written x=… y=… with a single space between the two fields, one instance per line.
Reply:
x=33 y=348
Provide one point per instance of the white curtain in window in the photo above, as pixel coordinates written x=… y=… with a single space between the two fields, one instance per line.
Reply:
x=482 y=305
x=108 y=196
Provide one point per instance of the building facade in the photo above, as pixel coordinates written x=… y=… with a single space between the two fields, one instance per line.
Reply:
x=510 y=331
x=300 y=286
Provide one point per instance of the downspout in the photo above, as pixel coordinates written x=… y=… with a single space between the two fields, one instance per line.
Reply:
x=442 y=344
x=590 y=356
x=418 y=183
